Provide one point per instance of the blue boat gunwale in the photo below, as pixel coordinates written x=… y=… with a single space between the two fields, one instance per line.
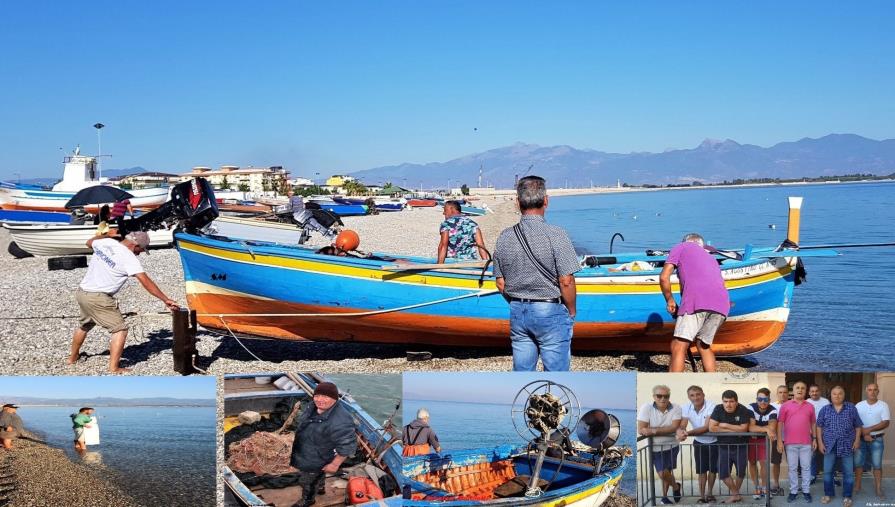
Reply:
x=304 y=252
x=499 y=453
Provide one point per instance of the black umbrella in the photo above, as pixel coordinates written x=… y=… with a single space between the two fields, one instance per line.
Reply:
x=99 y=194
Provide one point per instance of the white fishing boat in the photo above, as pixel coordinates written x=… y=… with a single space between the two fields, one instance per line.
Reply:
x=79 y=173
x=64 y=239
x=251 y=229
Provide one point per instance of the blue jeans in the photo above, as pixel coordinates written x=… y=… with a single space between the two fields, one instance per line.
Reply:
x=544 y=328
x=873 y=450
x=847 y=467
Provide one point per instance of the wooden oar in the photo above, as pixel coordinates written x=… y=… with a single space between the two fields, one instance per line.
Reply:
x=424 y=267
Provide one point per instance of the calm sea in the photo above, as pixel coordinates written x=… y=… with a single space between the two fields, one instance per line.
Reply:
x=159 y=455
x=840 y=318
x=378 y=395
x=472 y=425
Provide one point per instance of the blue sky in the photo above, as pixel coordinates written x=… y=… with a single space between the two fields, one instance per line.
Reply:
x=593 y=389
x=109 y=387
x=338 y=87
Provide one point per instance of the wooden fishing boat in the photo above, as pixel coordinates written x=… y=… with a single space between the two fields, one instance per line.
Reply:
x=473 y=210
x=376 y=444
x=293 y=293
x=568 y=460
x=470 y=477
x=64 y=239
x=381 y=203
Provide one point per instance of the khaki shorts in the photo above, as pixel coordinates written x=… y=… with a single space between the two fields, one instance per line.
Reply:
x=99 y=308
x=79 y=434
x=701 y=325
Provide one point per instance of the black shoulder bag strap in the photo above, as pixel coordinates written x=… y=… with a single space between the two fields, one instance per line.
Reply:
x=531 y=256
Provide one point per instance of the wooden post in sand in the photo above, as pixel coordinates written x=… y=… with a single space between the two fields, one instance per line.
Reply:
x=184 y=341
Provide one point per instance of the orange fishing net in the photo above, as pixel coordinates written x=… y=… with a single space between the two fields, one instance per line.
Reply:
x=262 y=453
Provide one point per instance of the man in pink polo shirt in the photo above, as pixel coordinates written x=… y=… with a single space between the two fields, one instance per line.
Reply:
x=704 y=301
x=795 y=434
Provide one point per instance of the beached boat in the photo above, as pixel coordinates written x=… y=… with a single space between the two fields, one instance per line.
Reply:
x=341 y=208
x=253 y=229
x=421 y=203
x=380 y=203
x=79 y=172
x=63 y=239
x=378 y=446
x=475 y=211
x=354 y=299
x=34 y=217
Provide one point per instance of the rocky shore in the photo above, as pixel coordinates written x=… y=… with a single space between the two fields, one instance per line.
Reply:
x=33 y=474
x=41 y=315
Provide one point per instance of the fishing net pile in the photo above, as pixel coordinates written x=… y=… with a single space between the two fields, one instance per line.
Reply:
x=262 y=453
x=263 y=448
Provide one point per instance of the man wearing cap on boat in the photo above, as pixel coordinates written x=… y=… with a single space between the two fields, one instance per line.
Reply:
x=10 y=425
x=534 y=266
x=704 y=304
x=113 y=262
x=325 y=436
x=418 y=437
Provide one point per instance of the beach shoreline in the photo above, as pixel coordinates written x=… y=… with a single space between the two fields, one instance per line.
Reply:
x=39 y=326
x=42 y=475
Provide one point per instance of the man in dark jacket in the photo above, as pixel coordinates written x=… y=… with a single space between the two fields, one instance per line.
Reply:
x=418 y=437
x=325 y=436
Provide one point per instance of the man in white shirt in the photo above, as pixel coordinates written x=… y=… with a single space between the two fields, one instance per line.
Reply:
x=875 y=417
x=705 y=452
x=818 y=402
x=112 y=264
x=661 y=420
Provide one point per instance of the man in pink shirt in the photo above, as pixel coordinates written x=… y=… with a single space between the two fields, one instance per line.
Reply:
x=704 y=301
x=795 y=434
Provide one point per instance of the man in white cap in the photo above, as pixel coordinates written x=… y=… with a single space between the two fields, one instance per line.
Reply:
x=112 y=264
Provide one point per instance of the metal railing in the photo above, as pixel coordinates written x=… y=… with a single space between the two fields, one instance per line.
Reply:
x=685 y=469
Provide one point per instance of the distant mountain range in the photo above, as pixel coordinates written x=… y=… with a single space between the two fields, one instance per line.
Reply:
x=712 y=161
x=111 y=402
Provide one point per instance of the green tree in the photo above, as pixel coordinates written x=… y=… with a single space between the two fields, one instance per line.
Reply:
x=354 y=187
x=243 y=187
x=225 y=183
x=265 y=185
x=464 y=189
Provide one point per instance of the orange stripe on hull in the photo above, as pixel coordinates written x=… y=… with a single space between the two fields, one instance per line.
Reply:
x=735 y=338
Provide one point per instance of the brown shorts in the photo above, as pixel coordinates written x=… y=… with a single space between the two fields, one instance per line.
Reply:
x=99 y=308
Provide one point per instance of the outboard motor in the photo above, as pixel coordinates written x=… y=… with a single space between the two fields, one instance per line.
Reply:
x=316 y=220
x=191 y=207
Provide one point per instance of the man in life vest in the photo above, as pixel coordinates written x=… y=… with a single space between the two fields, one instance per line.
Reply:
x=418 y=437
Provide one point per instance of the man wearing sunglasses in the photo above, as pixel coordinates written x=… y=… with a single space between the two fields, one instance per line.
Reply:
x=765 y=421
x=113 y=262
x=660 y=420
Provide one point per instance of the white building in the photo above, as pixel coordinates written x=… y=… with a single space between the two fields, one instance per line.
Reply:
x=259 y=180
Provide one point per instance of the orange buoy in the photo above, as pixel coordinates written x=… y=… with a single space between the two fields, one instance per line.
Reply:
x=347 y=240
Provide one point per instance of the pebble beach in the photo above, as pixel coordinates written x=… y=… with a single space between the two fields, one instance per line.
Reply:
x=41 y=316
x=34 y=474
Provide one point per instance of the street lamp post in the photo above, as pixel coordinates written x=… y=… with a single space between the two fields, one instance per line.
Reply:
x=99 y=148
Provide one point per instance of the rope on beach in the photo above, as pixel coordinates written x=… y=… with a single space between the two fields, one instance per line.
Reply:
x=352 y=314
x=66 y=317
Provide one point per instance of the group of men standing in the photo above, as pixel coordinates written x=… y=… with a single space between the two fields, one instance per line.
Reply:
x=815 y=434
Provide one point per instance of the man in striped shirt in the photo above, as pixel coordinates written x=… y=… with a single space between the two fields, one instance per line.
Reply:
x=535 y=264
